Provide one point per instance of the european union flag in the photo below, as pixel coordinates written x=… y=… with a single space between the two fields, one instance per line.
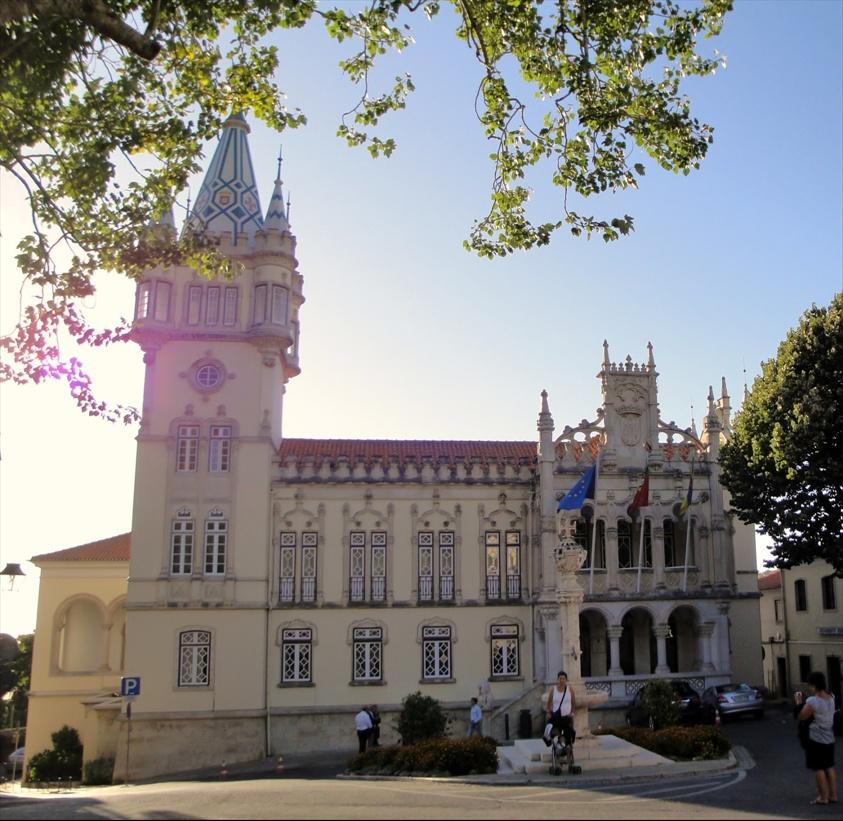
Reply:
x=582 y=490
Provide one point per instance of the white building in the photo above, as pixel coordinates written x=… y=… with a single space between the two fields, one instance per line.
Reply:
x=275 y=584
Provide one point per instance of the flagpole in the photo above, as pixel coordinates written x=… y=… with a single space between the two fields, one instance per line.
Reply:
x=593 y=530
x=640 y=552
x=688 y=529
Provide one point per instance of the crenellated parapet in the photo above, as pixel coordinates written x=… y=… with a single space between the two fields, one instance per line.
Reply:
x=332 y=460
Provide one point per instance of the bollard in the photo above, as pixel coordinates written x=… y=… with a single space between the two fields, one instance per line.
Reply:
x=717 y=719
x=223 y=771
x=279 y=770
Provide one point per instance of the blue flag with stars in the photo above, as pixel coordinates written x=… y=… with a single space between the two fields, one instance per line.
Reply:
x=582 y=490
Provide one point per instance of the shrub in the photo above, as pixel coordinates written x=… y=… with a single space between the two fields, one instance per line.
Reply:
x=99 y=771
x=681 y=743
x=421 y=717
x=63 y=761
x=451 y=756
x=660 y=703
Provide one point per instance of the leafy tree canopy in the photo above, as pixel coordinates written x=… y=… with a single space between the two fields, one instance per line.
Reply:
x=784 y=463
x=87 y=83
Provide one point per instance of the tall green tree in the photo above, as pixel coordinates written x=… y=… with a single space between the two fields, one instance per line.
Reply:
x=581 y=92
x=15 y=674
x=784 y=462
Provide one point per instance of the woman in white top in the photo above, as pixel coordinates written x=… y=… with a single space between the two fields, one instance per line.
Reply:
x=560 y=707
x=819 y=754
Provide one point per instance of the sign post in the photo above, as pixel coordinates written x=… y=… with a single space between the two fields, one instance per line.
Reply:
x=130 y=687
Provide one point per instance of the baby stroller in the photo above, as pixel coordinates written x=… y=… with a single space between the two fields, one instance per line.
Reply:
x=562 y=754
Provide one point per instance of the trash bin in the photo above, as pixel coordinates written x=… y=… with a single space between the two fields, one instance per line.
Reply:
x=525 y=724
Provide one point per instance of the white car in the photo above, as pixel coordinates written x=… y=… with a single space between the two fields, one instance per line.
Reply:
x=15 y=762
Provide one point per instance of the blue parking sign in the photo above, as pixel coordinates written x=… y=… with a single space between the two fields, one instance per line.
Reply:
x=130 y=686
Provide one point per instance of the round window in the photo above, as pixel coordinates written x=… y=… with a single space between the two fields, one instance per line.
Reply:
x=208 y=376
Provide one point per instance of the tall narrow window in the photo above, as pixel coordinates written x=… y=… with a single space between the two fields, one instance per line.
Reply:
x=426 y=565
x=600 y=544
x=357 y=566
x=645 y=557
x=378 y=565
x=671 y=558
x=212 y=305
x=219 y=451
x=368 y=653
x=287 y=580
x=187 y=448
x=801 y=594
x=436 y=653
x=309 y=542
x=446 y=565
x=260 y=305
x=296 y=651
x=513 y=564
x=144 y=298
x=625 y=554
x=194 y=658
x=229 y=311
x=505 y=650
x=162 y=301
x=279 y=305
x=829 y=597
x=493 y=564
x=805 y=667
x=194 y=304
x=216 y=537
x=181 y=544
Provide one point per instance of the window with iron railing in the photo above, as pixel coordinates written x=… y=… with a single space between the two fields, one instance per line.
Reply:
x=367 y=566
x=436 y=555
x=298 y=555
x=503 y=564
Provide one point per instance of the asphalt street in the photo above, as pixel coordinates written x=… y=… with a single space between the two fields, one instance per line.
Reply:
x=771 y=782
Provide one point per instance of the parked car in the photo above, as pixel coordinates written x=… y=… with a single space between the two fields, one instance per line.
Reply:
x=687 y=698
x=732 y=700
x=15 y=762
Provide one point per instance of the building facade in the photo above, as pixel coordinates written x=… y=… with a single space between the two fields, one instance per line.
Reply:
x=276 y=584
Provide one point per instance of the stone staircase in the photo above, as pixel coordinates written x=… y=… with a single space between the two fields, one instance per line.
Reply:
x=592 y=753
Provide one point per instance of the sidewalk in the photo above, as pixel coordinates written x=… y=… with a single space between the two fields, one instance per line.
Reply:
x=332 y=765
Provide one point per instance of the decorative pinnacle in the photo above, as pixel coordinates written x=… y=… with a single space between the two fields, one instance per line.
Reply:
x=278 y=172
x=711 y=411
x=724 y=394
x=606 y=362
x=651 y=363
x=545 y=419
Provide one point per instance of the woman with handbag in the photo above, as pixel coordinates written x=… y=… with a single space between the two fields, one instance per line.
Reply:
x=819 y=752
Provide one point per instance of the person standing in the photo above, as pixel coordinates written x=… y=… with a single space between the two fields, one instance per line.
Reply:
x=560 y=708
x=363 y=725
x=475 y=719
x=819 y=752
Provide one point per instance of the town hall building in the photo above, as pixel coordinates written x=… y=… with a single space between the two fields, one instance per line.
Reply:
x=270 y=586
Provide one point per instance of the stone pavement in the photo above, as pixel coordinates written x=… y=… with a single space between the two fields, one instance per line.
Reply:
x=332 y=765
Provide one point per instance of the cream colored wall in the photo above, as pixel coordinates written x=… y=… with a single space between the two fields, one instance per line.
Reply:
x=772 y=636
x=745 y=617
x=803 y=626
x=56 y=696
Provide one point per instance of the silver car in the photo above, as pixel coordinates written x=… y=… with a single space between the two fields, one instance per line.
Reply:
x=732 y=700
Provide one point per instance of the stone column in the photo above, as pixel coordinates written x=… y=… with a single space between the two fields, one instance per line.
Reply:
x=614 y=633
x=612 y=556
x=658 y=554
x=706 y=631
x=662 y=631
x=552 y=643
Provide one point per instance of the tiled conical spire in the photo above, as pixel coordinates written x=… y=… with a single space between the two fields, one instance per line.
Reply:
x=228 y=199
x=276 y=215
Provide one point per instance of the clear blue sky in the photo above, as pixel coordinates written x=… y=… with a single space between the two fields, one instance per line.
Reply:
x=406 y=335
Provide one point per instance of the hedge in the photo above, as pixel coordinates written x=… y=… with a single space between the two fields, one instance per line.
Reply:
x=446 y=756
x=680 y=743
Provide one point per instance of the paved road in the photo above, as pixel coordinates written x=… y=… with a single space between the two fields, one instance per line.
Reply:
x=777 y=786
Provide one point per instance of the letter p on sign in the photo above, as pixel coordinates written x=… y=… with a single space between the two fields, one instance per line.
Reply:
x=130 y=686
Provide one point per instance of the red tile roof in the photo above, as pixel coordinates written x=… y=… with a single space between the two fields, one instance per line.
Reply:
x=115 y=549
x=403 y=449
x=770 y=580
